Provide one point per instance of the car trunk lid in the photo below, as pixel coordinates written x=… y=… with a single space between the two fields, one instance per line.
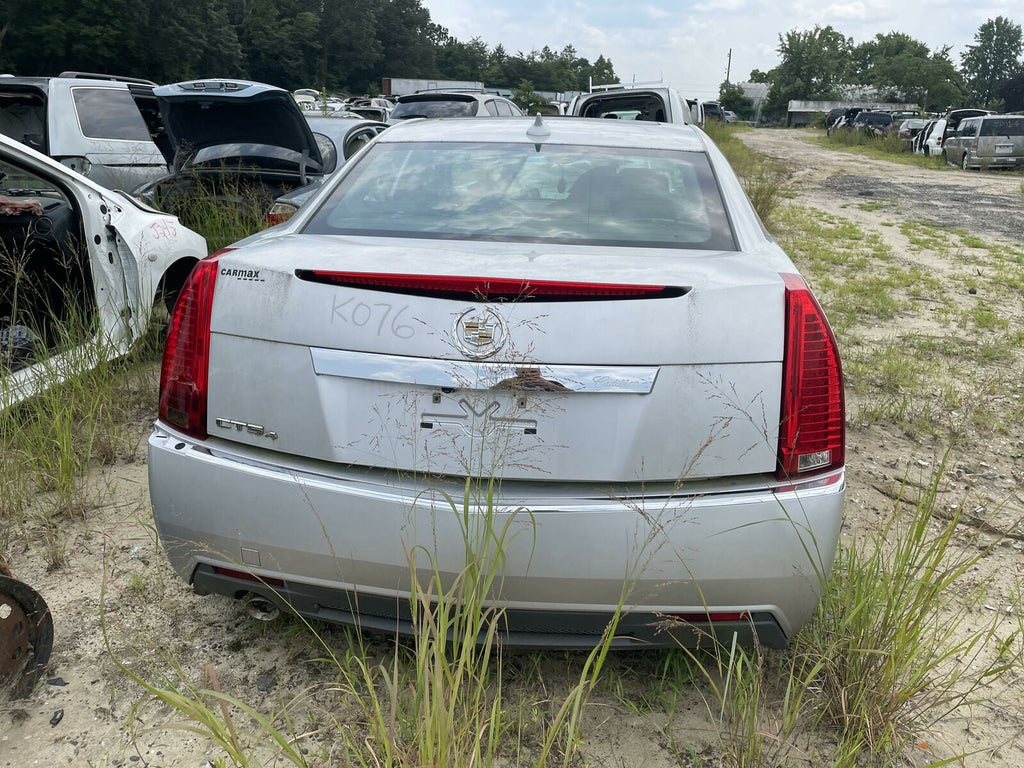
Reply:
x=676 y=374
x=207 y=113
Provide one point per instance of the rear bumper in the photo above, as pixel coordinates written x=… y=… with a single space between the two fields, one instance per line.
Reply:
x=520 y=627
x=343 y=547
x=994 y=161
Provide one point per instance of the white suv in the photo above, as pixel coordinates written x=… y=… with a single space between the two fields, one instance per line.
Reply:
x=103 y=127
x=452 y=104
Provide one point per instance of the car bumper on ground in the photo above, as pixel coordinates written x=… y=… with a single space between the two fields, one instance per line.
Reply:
x=341 y=545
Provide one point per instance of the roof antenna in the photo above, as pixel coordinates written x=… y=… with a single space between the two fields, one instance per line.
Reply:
x=538 y=132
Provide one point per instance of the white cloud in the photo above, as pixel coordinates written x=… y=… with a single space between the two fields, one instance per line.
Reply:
x=845 y=11
x=720 y=5
x=686 y=42
x=655 y=12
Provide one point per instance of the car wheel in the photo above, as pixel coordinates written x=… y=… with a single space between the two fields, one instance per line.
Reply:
x=963 y=162
x=927 y=151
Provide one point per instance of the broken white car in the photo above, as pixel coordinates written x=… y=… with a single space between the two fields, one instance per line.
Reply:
x=81 y=267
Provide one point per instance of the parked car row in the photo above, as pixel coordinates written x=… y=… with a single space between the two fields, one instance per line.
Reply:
x=928 y=140
x=367 y=107
x=968 y=138
x=974 y=139
x=870 y=122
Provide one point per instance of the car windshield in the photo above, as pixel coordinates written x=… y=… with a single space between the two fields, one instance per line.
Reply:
x=448 y=107
x=1007 y=126
x=519 y=193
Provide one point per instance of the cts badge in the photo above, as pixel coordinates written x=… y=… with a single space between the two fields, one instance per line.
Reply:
x=242 y=426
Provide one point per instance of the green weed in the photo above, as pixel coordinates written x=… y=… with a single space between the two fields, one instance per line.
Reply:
x=889 y=652
x=763 y=179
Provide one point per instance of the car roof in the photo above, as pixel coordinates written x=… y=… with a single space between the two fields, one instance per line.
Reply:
x=583 y=131
x=337 y=128
x=443 y=95
x=43 y=83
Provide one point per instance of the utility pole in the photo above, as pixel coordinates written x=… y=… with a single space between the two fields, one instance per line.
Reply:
x=728 y=68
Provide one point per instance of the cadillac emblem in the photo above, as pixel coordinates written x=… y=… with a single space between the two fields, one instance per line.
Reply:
x=479 y=333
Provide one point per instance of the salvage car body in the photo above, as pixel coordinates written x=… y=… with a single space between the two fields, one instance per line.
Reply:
x=226 y=136
x=339 y=139
x=590 y=315
x=102 y=127
x=75 y=254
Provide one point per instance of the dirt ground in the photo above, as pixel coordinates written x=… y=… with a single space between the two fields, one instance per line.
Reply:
x=86 y=712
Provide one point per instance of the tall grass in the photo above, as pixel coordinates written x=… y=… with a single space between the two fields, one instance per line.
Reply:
x=439 y=701
x=763 y=178
x=223 y=209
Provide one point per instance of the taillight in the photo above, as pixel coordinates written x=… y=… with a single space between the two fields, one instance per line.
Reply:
x=80 y=164
x=812 y=429
x=489 y=288
x=183 y=374
x=280 y=213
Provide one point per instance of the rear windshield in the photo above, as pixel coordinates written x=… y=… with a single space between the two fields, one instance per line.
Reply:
x=23 y=118
x=638 y=106
x=448 y=107
x=109 y=113
x=1007 y=126
x=874 y=118
x=513 y=192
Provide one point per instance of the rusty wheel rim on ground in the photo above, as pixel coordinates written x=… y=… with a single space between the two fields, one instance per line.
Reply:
x=26 y=637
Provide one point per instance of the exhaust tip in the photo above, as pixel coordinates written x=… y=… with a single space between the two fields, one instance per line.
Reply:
x=260 y=608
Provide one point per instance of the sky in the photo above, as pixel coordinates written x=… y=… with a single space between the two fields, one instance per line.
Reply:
x=686 y=44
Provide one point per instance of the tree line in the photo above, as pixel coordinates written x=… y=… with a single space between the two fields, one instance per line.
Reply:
x=339 y=45
x=822 y=64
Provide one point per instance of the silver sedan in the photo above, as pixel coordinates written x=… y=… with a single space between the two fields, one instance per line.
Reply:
x=567 y=348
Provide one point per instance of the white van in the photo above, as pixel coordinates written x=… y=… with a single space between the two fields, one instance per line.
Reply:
x=987 y=141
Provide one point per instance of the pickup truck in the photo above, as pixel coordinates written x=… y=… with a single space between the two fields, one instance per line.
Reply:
x=659 y=104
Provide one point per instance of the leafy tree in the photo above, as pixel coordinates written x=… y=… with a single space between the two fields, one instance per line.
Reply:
x=350 y=52
x=1011 y=92
x=529 y=100
x=460 y=61
x=405 y=35
x=813 y=65
x=994 y=57
x=873 y=62
x=332 y=44
x=268 y=39
x=731 y=97
x=601 y=71
x=903 y=69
